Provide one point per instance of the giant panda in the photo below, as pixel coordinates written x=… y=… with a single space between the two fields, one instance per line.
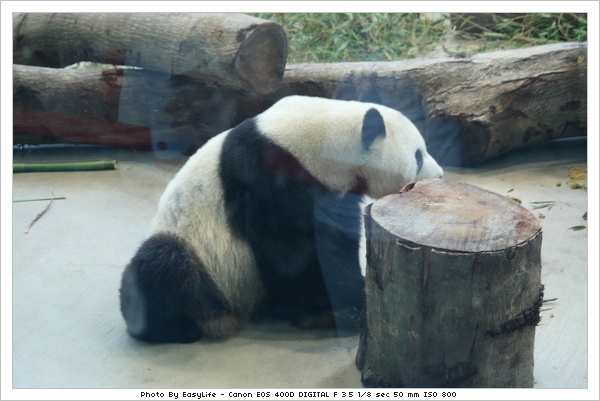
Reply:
x=267 y=216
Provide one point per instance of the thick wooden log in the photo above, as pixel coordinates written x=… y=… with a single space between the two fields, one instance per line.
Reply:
x=229 y=49
x=133 y=109
x=92 y=94
x=46 y=127
x=470 y=108
x=453 y=289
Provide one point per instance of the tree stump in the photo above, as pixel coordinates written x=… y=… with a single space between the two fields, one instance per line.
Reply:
x=453 y=289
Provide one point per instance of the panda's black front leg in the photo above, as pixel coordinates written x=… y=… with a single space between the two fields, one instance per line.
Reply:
x=337 y=235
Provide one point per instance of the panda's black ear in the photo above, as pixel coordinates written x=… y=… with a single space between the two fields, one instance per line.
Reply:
x=370 y=96
x=373 y=128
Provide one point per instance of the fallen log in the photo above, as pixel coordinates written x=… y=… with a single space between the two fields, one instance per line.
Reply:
x=127 y=108
x=63 y=128
x=227 y=49
x=93 y=94
x=470 y=108
x=76 y=106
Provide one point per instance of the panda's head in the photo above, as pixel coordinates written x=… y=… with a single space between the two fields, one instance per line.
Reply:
x=393 y=152
x=350 y=145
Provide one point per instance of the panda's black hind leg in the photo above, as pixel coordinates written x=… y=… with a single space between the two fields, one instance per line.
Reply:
x=166 y=294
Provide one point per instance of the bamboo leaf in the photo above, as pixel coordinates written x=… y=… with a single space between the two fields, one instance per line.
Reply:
x=542 y=204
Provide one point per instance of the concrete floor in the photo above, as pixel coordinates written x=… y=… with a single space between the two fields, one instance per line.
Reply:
x=68 y=332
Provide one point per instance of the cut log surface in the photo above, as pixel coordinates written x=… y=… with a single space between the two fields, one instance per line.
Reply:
x=460 y=218
x=228 y=49
x=453 y=289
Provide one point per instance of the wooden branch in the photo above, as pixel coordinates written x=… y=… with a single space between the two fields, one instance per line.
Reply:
x=470 y=108
x=40 y=214
x=229 y=49
x=453 y=297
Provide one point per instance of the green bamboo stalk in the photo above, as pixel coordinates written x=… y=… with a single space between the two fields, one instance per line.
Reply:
x=77 y=166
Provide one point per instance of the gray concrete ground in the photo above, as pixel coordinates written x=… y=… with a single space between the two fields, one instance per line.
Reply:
x=68 y=331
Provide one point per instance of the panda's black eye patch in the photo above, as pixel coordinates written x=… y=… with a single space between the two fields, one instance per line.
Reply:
x=419 y=158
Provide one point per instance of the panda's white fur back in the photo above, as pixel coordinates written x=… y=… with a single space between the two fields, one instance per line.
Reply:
x=192 y=207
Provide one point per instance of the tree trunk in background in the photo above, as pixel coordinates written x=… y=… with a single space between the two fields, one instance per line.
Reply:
x=453 y=292
x=470 y=108
x=126 y=108
x=228 y=49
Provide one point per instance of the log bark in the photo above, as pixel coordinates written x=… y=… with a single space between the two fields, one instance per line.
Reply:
x=453 y=292
x=229 y=49
x=74 y=106
x=42 y=127
x=133 y=109
x=470 y=108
